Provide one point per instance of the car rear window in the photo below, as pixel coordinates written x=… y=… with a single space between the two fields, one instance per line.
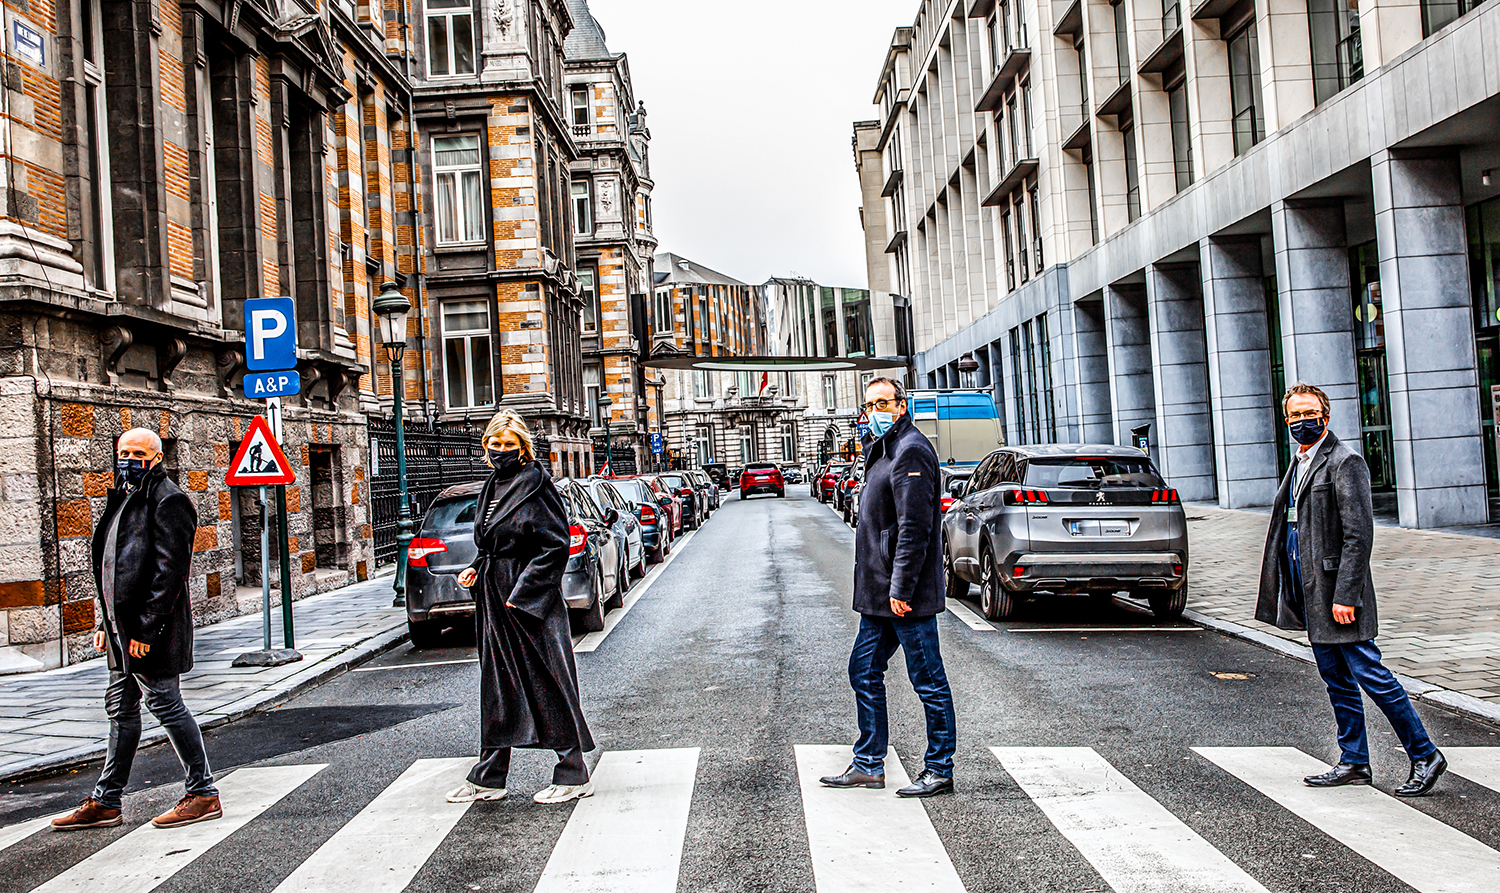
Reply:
x=1091 y=472
x=451 y=514
x=675 y=481
x=761 y=466
x=633 y=492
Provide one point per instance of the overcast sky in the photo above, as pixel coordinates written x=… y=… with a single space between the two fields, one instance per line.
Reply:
x=751 y=107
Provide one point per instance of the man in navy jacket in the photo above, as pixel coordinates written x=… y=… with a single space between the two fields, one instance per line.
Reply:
x=898 y=592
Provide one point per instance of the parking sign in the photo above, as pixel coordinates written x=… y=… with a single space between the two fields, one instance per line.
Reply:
x=656 y=442
x=270 y=334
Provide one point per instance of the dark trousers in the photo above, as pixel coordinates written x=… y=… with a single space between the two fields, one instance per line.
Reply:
x=1346 y=669
x=493 y=767
x=878 y=639
x=163 y=697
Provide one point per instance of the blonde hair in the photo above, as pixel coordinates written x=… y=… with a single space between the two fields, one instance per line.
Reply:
x=507 y=420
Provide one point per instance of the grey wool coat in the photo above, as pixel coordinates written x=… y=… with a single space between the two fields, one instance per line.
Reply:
x=1335 y=533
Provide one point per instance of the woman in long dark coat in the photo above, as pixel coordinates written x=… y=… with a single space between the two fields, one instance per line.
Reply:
x=528 y=685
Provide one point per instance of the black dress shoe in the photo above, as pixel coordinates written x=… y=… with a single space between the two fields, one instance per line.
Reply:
x=1342 y=774
x=928 y=784
x=1424 y=774
x=853 y=778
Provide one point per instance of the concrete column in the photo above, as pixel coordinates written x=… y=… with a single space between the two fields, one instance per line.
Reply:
x=1184 y=436
x=1317 y=314
x=1424 y=284
x=1064 y=392
x=1132 y=395
x=1092 y=362
x=1245 y=419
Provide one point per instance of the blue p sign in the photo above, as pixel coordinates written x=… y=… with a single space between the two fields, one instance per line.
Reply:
x=270 y=334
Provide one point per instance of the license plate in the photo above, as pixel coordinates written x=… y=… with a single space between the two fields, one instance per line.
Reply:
x=1091 y=527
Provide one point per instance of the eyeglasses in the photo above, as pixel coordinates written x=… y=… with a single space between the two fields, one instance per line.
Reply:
x=1304 y=415
x=882 y=405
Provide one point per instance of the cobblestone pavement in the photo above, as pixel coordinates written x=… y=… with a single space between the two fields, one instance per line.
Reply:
x=1438 y=594
x=57 y=717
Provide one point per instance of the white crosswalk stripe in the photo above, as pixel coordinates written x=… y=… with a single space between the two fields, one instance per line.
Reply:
x=628 y=837
x=141 y=860
x=869 y=841
x=1134 y=843
x=382 y=849
x=1480 y=765
x=1426 y=854
x=11 y=835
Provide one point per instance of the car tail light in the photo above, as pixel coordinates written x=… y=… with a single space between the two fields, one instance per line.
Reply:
x=1167 y=497
x=577 y=539
x=648 y=514
x=420 y=548
x=1026 y=497
x=1018 y=571
x=948 y=503
x=1176 y=570
x=684 y=492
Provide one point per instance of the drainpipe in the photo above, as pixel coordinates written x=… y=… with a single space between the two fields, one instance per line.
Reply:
x=416 y=213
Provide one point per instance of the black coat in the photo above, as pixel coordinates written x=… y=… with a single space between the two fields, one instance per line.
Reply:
x=153 y=555
x=528 y=684
x=898 y=548
x=1335 y=534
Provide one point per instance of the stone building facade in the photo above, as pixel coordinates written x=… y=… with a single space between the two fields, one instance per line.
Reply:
x=1151 y=214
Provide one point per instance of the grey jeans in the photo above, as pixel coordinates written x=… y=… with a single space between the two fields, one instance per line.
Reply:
x=163 y=697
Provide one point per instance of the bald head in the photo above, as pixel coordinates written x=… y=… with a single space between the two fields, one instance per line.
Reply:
x=140 y=443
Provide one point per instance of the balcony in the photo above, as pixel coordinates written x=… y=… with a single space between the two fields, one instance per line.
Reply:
x=1019 y=172
x=896 y=243
x=1015 y=61
x=892 y=183
x=1166 y=55
x=583 y=131
x=1116 y=102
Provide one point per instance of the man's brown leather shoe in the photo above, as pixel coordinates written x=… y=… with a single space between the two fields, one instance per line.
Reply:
x=188 y=810
x=89 y=814
x=853 y=778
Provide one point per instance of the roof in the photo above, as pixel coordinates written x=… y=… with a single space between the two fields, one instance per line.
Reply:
x=1075 y=449
x=586 y=40
x=681 y=271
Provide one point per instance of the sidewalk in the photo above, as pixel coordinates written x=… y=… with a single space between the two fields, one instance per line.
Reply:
x=1438 y=595
x=56 y=718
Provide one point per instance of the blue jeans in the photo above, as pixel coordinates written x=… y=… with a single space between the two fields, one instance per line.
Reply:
x=1346 y=669
x=163 y=696
x=877 y=640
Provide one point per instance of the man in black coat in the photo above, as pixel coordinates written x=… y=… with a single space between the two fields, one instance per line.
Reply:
x=898 y=592
x=142 y=549
x=1315 y=576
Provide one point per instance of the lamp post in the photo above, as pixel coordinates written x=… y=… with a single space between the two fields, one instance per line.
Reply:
x=392 y=307
x=605 y=402
x=967 y=366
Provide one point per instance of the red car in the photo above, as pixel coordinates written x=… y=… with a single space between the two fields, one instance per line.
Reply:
x=829 y=479
x=762 y=477
x=670 y=502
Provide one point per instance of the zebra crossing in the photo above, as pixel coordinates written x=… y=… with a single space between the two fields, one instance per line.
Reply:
x=629 y=837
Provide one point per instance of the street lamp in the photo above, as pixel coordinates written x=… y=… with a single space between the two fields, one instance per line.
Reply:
x=605 y=402
x=392 y=308
x=967 y=366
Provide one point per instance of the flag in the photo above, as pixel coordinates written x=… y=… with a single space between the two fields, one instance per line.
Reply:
x=765 y=380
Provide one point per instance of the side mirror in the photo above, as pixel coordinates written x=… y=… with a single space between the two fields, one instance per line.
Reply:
x=956 y=489
x=610 y=514
x=664 y=500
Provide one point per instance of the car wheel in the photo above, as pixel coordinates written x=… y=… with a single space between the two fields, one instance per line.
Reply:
x=780 y=494
x=1168 y=605
x=640 y=564
x=591 y=619
x=954 y=586
x=996 y=603
x=622 y=586
x=424 y=633
x=742 y=494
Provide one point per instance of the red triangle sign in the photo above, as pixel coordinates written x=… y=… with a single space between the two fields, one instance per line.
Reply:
x=259 y=461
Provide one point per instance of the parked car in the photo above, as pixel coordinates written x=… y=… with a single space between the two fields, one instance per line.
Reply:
x=656 y=522
x=851 y=487
x=718 y=472
x=953 y=477
x=596 y=576
x=708 y=488
x=1067 y=518
x=685 y=488
x=846 y=482
x=666 y=499
x=762 y=477
x=823 y=483
x=793 y=474
x=628 y=525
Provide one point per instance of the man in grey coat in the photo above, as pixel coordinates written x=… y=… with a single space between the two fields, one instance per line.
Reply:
x=1315 y=575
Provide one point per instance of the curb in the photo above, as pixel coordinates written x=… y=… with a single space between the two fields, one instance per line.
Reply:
x=314 y=675
x=1423 y=691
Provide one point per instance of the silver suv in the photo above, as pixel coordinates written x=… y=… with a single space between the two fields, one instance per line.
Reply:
x=1066 y=518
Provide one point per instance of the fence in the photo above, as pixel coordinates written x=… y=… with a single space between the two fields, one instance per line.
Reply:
x=437 y=457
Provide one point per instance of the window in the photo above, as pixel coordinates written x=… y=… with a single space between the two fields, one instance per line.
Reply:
x=1122 y=41
x=1337 y=56
x=1015 y=129
x=460 y=189
x=1088 y=174
x=1436 y=14
x=1043 y=377
x=702 y=384
x=1036 y=227
x=583 y=207
x=1244 y=85
x=830 y=392
x=1010 y=253
x=1018 y=384
x=1025 y=122
x=1022 y=248
x=1080 y=44
x=593 y=377
x=747 y=444
x=704 y=445
x=579 y=100
x=788 y=443
x=588 y=289
x=466 y=353
x=102 y=272
x=992 y=33
x=663 y=312
x=1182 y=144
x=450 y=38
x=1132 y=177
x=859 y=335
x=1171 y=16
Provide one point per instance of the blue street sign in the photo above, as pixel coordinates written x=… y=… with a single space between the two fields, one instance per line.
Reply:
x=285 y=383
x=864 y=429
x=270 y=334
x=656 y=441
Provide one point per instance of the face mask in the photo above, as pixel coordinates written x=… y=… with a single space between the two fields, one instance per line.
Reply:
x=505 y=461
x=881 y=422
x=130 y=472
x=1307 y=431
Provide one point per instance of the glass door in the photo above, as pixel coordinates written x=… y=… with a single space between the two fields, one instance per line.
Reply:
x=1369 y=359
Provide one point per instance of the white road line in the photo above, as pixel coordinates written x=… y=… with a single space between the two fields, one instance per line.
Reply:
x=1419 y=850
x=141 y=860
x=612 y=619
x=1480 y=765
x=1134 y=843
x=428 y=663
x=382 y=849
x=11 y=835
x=867 y=841
x=970 y=619
x=1104 y=629
x=628 y=837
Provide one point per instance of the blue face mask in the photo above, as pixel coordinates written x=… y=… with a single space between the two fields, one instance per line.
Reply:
x=130 y=472
x=1307 y=431
x=881 y=422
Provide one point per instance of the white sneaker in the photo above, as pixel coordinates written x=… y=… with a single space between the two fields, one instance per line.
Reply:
x=468 y=792
x=562 y=793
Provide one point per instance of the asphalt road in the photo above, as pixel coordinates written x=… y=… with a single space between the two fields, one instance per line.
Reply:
x=738 y=650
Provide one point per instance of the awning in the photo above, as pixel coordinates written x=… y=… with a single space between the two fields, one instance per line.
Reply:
x=776 y=364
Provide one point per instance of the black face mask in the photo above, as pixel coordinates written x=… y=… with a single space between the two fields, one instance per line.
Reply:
x=130 y=472
x=505 y=461
x=1307 y=431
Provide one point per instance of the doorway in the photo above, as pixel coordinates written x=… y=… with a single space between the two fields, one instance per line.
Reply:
x=1369 y=360
x=328 y=546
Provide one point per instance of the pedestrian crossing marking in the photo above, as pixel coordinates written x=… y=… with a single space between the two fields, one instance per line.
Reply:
x=1421 y=851
x=1134 y=843
x=382 y=849
x=869 y=841
x=968 y=618
x=141 y=860
x=11 y=835
x=1480 y=765
x=628 y=837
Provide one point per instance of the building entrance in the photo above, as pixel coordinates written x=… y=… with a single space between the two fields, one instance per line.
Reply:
x=1369 y=359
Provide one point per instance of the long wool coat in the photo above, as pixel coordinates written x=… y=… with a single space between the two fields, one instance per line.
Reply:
x=1335 y=534
x=898 y=548
x=528 y=689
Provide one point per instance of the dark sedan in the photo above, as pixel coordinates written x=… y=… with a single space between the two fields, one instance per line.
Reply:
x=656 y=522
x=694 y=509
